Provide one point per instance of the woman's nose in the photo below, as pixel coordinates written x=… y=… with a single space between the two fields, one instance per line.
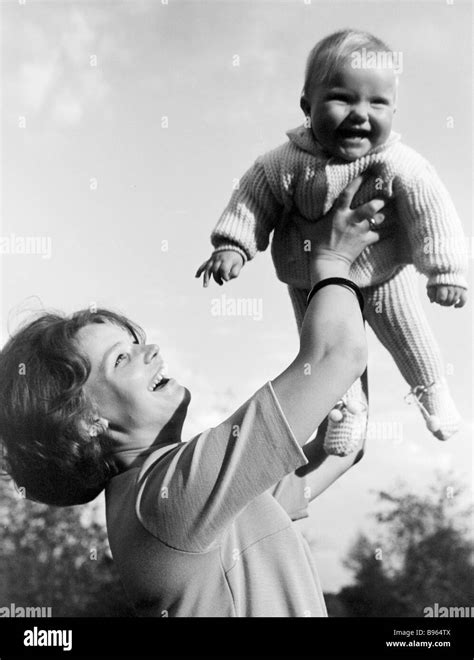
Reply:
x=151 y=352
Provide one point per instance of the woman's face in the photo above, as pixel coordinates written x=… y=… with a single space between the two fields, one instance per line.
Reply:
x=129 y=385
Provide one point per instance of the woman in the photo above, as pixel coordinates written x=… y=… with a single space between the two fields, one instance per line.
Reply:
x=201 y=528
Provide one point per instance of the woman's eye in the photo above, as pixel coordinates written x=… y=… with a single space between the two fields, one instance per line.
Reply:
x=119 y=359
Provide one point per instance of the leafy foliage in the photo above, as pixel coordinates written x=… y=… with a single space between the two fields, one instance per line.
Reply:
x=49 y=558
x=423 y=555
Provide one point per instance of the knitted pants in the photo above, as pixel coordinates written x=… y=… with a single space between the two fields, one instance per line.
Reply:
x=393 y=310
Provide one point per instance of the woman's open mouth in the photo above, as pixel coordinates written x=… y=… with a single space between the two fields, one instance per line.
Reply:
x=160 y=380
x=161 y=384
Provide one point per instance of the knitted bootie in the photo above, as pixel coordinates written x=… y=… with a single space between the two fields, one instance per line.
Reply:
x=437 y=408
x=347 y=422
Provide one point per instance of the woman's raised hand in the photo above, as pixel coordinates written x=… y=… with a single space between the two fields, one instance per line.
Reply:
x=343 y=233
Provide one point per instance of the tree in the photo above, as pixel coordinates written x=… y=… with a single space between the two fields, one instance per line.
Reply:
x=49 y=558
x=423 y=555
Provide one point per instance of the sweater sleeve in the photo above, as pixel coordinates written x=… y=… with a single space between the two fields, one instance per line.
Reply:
x=432 y=226
x=249 y=218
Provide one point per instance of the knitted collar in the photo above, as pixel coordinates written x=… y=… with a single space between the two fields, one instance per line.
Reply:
x=303 y=137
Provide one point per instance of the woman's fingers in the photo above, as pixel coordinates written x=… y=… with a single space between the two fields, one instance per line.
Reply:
x=377 y=219
x=344 y=200
x=370 y=209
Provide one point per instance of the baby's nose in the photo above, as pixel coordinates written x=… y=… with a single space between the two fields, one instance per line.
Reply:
x=360 y=111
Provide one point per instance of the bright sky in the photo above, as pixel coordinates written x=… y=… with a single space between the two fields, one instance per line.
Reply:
x=124 y=125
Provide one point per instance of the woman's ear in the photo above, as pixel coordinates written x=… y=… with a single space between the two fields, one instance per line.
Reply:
x=304 y=105
x=96 y=427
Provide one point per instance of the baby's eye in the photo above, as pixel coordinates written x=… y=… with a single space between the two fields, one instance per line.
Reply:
x=379 y=101
x=339 y=97
x=119 y=359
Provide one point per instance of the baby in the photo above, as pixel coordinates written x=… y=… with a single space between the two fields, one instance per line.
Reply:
x=349 y=111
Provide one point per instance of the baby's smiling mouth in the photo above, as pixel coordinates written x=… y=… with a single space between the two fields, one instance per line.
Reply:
x=353 y=133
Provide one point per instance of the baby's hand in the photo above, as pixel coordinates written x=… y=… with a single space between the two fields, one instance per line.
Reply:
x=447 y=295
x=224 y=265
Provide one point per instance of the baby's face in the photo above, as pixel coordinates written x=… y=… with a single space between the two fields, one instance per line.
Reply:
x=353 y=112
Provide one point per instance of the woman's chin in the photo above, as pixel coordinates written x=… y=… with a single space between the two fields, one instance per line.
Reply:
x=169 y=387
x=187 y=395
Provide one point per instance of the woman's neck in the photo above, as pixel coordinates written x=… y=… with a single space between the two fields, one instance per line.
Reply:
x=131 y=450
x=128 y=458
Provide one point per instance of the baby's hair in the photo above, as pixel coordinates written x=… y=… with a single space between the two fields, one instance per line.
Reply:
x=336 y=49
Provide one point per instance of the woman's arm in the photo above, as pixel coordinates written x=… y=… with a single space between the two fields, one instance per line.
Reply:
x=189 y=497
x=333 y=349
x=322 y=470
x=332 y=355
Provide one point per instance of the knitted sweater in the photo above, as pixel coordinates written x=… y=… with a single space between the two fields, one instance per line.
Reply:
x=297 y=179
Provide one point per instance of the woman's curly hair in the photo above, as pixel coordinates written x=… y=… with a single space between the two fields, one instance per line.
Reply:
x=45 y=414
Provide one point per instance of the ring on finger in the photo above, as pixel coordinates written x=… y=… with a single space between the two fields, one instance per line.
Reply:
x=372 y=224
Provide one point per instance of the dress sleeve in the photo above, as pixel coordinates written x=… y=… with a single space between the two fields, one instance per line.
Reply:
x=191 y=494
x=433 y=228
x=249 y=218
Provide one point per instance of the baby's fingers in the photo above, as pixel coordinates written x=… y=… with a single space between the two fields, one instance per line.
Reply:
x=461 y=301
x=201 y=268
x=207 y=274
x=224 y=272
x=452 y=297
x=206 y=269
x=234 y=271
x=217 y=272
x=440 y=295
x=443 y=296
